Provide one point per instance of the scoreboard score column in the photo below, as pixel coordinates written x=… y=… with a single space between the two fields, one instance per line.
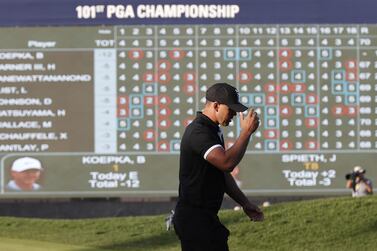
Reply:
x=137 y=89
x=257 y=78
x=177 y=84
x=338 y=54
x=298 y=77
x=218 y=58
x=367 y=89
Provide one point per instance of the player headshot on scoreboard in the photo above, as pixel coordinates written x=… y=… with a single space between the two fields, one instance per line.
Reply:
x=25 y=173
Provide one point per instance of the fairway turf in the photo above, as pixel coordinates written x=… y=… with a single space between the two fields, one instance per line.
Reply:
x=7 y=244
x=325 y=224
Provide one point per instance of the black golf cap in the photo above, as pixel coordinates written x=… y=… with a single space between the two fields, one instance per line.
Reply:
x=226 y=94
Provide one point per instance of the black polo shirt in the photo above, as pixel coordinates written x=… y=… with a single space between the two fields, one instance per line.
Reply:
x=202 y=185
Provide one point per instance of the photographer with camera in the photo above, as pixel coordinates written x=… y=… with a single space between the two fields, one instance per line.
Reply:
x=360 y=185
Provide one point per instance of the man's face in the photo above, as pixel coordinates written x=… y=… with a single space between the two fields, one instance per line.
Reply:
x=27 y=177
x=359 y=177
x=225 y=115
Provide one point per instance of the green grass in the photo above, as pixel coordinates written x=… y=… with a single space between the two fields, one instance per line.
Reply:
x=326 y=224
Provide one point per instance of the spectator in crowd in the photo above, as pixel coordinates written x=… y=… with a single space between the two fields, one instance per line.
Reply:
x=360 y=185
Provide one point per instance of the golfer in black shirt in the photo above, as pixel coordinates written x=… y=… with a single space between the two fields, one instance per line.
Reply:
x=205 y=167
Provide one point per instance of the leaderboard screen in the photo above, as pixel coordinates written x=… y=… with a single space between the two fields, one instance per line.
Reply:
x=101 y=109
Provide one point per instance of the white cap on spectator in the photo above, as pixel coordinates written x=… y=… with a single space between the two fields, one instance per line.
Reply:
x=358 y=169
x=26 y=163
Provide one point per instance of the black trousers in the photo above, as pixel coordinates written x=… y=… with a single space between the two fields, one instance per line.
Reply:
x=200 y=230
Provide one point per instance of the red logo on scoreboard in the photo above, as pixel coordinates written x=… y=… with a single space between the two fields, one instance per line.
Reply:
x=342 y=110
x=339 y=110
x=149 y=135
x=270 y=87
x=163 y=112
x=189 y=77
x=271 y=99
x=122 y=112
x=270 y=134
x=149 y=77
x=298 y=87
x=190 y=88
x=351 y=65
x=352 y=76
x=312 y=99
x=122 y=105
x=311 y=122
x=286 y=111
x=245 y=77
x=311 y=145
x=351 y=70
x=163 y=146
x=177 y=54
x=352 y=111
x=150 y=101
x=136 y=54
x=164 y=100
x=164 y=77
x=285 y=145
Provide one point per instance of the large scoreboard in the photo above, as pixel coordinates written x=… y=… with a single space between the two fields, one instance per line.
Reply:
x=103 y=107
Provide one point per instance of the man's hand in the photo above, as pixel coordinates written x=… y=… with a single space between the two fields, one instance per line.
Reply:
x=250 y=122
x=254 y=212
